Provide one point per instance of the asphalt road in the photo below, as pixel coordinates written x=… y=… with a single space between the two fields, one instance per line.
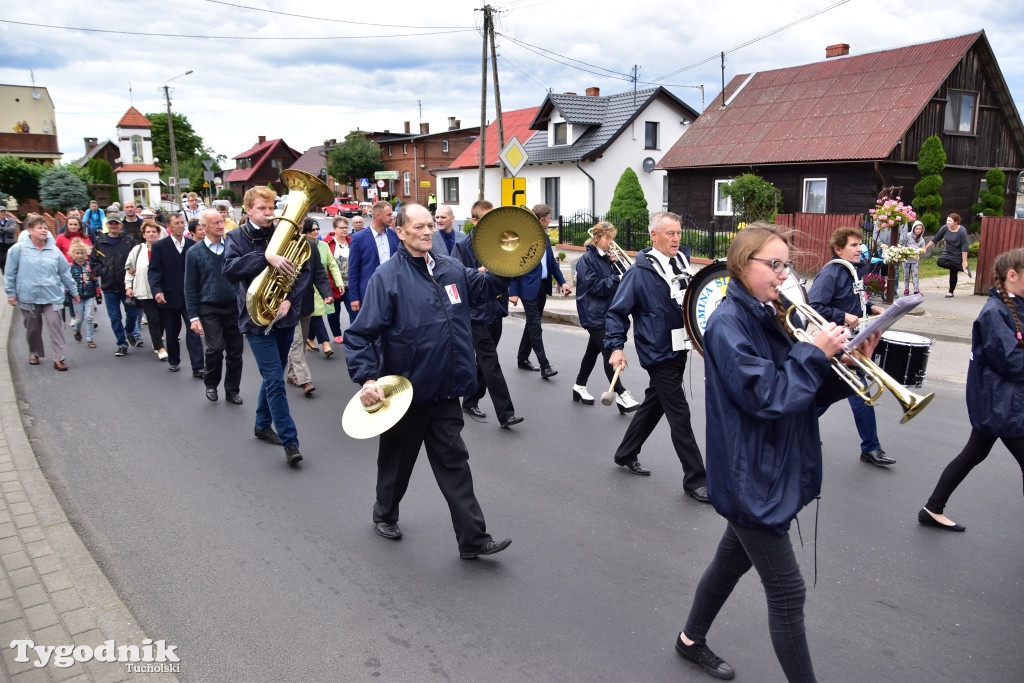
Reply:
x=260 y=572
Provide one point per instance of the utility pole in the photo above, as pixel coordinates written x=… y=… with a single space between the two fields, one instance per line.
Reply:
x=497 y=96
x=170 y=134
x=483 y=104
x=723 y=79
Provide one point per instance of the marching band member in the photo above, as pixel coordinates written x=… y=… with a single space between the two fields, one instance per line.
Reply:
x=832 y=295
x=651 y=292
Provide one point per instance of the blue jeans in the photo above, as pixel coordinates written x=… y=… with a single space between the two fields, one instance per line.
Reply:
x=864 y=417
x=113 y=301
x=270 y=352
x=773 y=558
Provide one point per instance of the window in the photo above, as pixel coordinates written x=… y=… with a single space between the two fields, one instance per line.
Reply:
x=444 y=146
x=723 y=203
x=276 y=164
x=961 y=112
x=137 y=150
x=551 y=196
x=140 y=193
x=814 y=195
x=389 y=150
x=451 y=190
x=406 y=184
x=664 y=192
x=651 y=135
x=405 y=149
x=560 y=133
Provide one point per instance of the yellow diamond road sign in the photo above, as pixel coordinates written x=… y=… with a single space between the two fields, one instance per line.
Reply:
x=513 y=155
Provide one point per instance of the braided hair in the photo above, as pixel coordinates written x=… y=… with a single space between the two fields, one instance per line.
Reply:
x=1004 y=263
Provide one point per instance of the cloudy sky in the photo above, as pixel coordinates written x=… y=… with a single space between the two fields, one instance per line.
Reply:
x=308 y=71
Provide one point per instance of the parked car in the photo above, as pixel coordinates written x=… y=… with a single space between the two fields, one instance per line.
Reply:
x=344 y=206
x=364 y=208
x=1019 y=212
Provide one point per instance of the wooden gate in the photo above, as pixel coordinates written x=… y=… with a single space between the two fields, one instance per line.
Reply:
x=998 y=234
x=811 y=234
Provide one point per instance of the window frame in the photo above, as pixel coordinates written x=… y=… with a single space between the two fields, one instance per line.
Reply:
x=715 y=198
x=804 y=195
x=451 y=190
x=444 y=146
x=954 y=105
x=549 y=183
x=138 y=153
x=650 y=126
x=557 y=126
x=407 y=183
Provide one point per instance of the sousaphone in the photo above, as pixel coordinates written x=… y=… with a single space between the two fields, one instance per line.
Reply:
x=509 y=241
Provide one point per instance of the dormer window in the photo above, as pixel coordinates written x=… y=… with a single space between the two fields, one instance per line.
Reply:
x=560 y=133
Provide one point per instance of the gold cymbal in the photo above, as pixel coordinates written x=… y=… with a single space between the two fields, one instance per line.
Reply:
x=366 y=422
x=509 y=241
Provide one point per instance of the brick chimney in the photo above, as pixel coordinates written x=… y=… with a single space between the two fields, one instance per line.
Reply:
x=837 y=50
x=451 y=123
x=90 y=143
x=407 y=128
x=593 y=92
x=424 y=129
x=458 y=124
x=261 y=139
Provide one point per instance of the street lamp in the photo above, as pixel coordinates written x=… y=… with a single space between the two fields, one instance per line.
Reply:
x=170 y=133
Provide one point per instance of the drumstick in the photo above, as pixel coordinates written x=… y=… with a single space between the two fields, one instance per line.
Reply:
x=608 y=397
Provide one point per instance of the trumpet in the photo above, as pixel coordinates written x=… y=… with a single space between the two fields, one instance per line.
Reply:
x=875 y=381
x=623 y=262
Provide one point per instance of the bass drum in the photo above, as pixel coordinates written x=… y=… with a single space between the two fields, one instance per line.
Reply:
x=706 y=292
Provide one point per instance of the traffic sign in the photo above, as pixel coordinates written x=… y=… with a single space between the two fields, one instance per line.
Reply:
x=364 y=182
x=386 y=175
x=513 y=192
x=513 y=155
x=380 y=183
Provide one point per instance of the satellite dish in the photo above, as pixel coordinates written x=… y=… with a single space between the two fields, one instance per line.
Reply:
x=648 y=165
x=1020 y=183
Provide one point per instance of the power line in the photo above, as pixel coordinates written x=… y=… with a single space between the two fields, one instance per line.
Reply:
x=339 y=21
x=544 y=52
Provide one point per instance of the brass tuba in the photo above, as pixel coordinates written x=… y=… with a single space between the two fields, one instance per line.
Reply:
x=268 y=291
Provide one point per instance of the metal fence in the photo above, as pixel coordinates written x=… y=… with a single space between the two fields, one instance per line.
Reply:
x=706 y=239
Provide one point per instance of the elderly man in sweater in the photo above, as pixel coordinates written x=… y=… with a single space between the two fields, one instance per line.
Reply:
x=212 y=309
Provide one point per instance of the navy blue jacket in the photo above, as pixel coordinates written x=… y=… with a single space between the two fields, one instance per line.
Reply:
x=409 y=325
x=363 y=259
x=762 y=392
x=596 y=284
x=645 y=295
x=528 y=286
x=832 y=294
x=167 y=271
x=244 y=259
x=491 y=310
x=995 y=377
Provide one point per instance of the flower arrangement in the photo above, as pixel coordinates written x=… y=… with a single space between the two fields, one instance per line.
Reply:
x=899 y=254
x=890 y=213
x=874 y=283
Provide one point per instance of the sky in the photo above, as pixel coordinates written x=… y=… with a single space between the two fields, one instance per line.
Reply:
x=307 y=72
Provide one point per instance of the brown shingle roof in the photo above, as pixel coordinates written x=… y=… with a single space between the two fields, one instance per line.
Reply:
x=133 y=118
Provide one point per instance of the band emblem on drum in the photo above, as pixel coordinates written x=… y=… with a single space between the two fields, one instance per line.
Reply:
x=709 y=298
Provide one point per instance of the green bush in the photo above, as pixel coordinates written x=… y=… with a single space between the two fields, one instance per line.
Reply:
x=227 y=194
x=927 y=200
x=628 y=198
x=972 y=251
x=990 y=200
x=753 y=198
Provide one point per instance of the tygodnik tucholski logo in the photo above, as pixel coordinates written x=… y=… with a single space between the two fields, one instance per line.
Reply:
x=151 y=657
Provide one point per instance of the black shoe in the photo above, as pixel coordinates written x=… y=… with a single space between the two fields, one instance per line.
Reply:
x=121 y=351
x=635 y=467
x=699 y=494
x=488 y=548
x=268 y=435
x=211 y=393
x=527 y=365
x=702 y=656
x=474 y=411
x=234 y=399
x=137 y=342
x=198 y=374
x=291 y=453
x=877 y=458
x=547 y=372
x=511 y=421
x=388 y=530
x=925 y=518
x=173 y=368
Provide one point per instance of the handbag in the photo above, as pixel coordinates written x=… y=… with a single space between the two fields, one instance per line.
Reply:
x=129 y=301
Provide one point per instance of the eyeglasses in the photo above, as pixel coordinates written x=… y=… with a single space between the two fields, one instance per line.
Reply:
x=776 y=265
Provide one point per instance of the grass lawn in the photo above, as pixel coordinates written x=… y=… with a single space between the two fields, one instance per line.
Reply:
x=930 y=269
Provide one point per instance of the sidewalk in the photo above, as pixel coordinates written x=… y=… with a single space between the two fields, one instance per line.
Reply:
x=52 y=592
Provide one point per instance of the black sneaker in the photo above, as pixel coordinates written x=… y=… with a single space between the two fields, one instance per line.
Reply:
x=137 y=342
x=702 y=656
x=291 y=453
x=121 y=351
x=268 y=435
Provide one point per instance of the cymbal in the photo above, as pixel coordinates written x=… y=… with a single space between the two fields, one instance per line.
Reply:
x=509 y=241
x=366 y=422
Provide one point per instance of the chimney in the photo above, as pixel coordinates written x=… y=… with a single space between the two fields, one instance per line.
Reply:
x=593 y=92
x=451 y=123
x=90 y=143
x=458 y=124
x=568 y=93
x=424 y=129
x=407 y=129
x=837 y=50
x=261 y=139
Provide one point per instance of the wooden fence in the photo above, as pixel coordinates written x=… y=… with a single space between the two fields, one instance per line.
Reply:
x=811 y=235
x=997 y=235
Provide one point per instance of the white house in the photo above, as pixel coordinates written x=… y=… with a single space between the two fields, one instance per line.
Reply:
x=138 y=177
x=577 y=148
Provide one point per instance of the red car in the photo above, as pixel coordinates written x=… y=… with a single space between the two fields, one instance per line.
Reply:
x=343 y=206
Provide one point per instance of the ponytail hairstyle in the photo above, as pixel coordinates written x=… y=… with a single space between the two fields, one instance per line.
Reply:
x=1004 y=263
x=600 y=230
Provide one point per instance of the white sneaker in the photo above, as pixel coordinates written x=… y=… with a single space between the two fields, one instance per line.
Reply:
x=580 y=393
x=626 y=402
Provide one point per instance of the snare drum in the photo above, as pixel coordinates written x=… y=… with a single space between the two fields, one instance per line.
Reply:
x=903 y=356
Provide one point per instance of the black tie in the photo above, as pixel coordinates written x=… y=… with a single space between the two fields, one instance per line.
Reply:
x=675 y=266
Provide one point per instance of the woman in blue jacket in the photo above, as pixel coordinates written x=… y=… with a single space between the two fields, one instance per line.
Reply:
x=763 y=391
x=995 y=386
x=596 y=282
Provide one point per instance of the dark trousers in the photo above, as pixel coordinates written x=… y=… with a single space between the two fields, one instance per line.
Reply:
x=172 y=320
x=489 y=376
x=334 y=319
x=977 y=449
x=595 y=348
x=532 y=339
x=665 y=396
x=773 y=558
x=156 y=330
x=221 y=338
x=317 y=330
x=437 y=425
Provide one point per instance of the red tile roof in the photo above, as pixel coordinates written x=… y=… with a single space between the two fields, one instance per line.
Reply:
x=133 y=118
x=844 y=108
x=258 y=154
x=516 y=123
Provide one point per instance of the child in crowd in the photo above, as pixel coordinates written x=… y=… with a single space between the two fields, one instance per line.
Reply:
x=81 y=273
x=912 y=266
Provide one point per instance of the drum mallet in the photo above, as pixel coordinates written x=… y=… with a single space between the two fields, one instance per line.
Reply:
x=608 y=397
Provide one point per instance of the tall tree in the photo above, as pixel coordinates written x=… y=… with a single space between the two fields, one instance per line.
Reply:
x=355 y=158
x=628 y=200
x=187 y=143
x=60 y=188
x=927 y=200
x=20 y=178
